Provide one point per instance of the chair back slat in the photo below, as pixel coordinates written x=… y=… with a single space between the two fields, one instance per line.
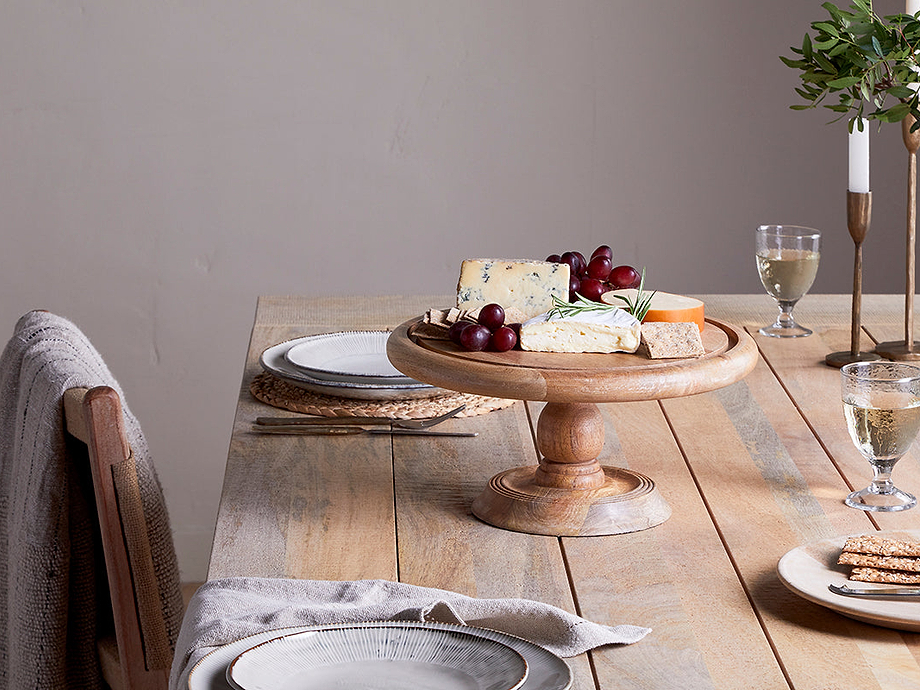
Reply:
x=95 y=417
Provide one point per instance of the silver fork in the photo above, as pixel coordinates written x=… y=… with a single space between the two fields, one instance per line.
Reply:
x=426 y=423
x=429 y=422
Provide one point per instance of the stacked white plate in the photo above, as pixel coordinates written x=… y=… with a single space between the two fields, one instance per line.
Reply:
x=346 y=364
x=381 y=656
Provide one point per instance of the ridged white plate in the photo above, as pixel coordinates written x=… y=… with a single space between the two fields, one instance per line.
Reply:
x=273 y=361
x=355 y=356
x=545 y=670
x=379 y=658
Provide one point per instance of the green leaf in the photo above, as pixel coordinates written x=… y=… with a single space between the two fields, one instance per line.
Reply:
x=901 y=92
x=898 y=112
x=825 y=45
x=806 y=47
x=794 y=64
x=825 y=64
x=844 y=82
x=877 y=47
x=827 y=28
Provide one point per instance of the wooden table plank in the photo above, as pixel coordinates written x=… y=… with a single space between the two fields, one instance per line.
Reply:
x=288 y=509
x=770 y=488
x=816 y=391
x=675 y=578
x=441 y=544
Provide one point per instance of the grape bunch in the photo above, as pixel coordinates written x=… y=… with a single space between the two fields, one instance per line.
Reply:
x=592 y=277
x=488 y=333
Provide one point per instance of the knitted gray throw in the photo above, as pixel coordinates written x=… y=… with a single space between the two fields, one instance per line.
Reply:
x=52 y=580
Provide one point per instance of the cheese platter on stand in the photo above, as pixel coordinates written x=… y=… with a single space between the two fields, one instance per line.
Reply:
x=569 y=493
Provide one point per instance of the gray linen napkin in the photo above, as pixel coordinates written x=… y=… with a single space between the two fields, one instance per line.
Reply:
x=223 y=611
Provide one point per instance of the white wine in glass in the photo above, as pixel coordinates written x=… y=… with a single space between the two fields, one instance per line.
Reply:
x=881 y=404
x=787 y=262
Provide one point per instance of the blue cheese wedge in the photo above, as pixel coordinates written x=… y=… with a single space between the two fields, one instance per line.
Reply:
x=614 y=330
x=523 y=288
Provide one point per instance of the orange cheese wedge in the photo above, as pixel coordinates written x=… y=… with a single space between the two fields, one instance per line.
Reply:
x=665 y=307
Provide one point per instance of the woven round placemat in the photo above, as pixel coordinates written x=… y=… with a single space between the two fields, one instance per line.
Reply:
x=279 y=393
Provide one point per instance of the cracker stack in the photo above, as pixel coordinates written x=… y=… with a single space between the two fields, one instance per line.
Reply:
x=876 y=559
x=437 y=322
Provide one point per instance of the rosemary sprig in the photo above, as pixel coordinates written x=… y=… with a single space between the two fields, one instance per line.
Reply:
x=581 y=305
x=638 y=307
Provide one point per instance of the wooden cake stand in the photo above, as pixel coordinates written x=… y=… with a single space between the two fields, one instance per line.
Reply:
x=569 y=493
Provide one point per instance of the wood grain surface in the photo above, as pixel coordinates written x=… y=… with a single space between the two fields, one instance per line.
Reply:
x=750 y=471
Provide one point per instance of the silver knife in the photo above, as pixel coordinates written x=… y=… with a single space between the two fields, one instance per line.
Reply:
x=322 y=421
x=875 y=592
x=297 y=430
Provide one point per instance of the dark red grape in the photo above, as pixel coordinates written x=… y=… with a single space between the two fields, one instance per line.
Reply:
x=603 y=250
x=623 y=277
x=574 y=286
x=454 y=331
x=503 y=339
x=554 y=258
x=571 y=259
x=492 y=316
x=592 y=289
x=599 y=267
x=582 y=262
x=475 y=337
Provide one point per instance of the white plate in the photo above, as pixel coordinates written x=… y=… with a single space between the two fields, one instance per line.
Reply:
x=355 y=356
x=378 y=658
x=809 y=569
x=274 y=362
x=546 y=671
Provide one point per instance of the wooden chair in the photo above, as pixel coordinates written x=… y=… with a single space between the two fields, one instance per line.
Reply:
x=140 y=654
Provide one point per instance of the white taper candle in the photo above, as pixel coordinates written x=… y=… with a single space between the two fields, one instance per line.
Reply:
x=859 y=157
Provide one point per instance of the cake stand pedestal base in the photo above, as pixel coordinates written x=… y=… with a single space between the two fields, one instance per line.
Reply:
x=570 y=493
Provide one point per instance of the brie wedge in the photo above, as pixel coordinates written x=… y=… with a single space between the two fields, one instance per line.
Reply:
x=607 y=331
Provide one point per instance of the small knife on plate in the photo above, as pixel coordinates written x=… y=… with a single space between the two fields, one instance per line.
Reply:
x=875 y=592
x=301 y=430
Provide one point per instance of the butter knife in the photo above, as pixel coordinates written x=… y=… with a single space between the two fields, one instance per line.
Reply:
x=322 y=421
x=300 y=430
x=875 y=592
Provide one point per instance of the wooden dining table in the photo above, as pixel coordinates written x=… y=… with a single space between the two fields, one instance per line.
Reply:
x=750 y=471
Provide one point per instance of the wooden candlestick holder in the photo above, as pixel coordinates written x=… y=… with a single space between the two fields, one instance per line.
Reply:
x=908 y=349
x=859 y=214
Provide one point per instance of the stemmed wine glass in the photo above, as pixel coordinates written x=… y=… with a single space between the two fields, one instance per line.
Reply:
x=787 y=261
x=881 y=403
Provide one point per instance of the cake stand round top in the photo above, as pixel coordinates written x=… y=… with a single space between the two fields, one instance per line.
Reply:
x=730 y=354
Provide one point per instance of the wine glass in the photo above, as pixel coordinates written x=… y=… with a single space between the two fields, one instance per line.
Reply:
x=881 y=403
x=787 y=261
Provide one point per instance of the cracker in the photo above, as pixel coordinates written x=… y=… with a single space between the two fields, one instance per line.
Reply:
x=897 y=577
x=662 y=340
x=429 y=330
x=880 y=546
x=881 y=562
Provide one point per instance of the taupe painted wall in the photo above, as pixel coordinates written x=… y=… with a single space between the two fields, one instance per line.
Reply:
x=163 y=163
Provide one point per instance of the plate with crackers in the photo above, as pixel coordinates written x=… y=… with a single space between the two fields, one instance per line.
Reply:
x=880 y=560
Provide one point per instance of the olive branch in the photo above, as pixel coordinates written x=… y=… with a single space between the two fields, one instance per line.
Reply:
x=862 y=59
